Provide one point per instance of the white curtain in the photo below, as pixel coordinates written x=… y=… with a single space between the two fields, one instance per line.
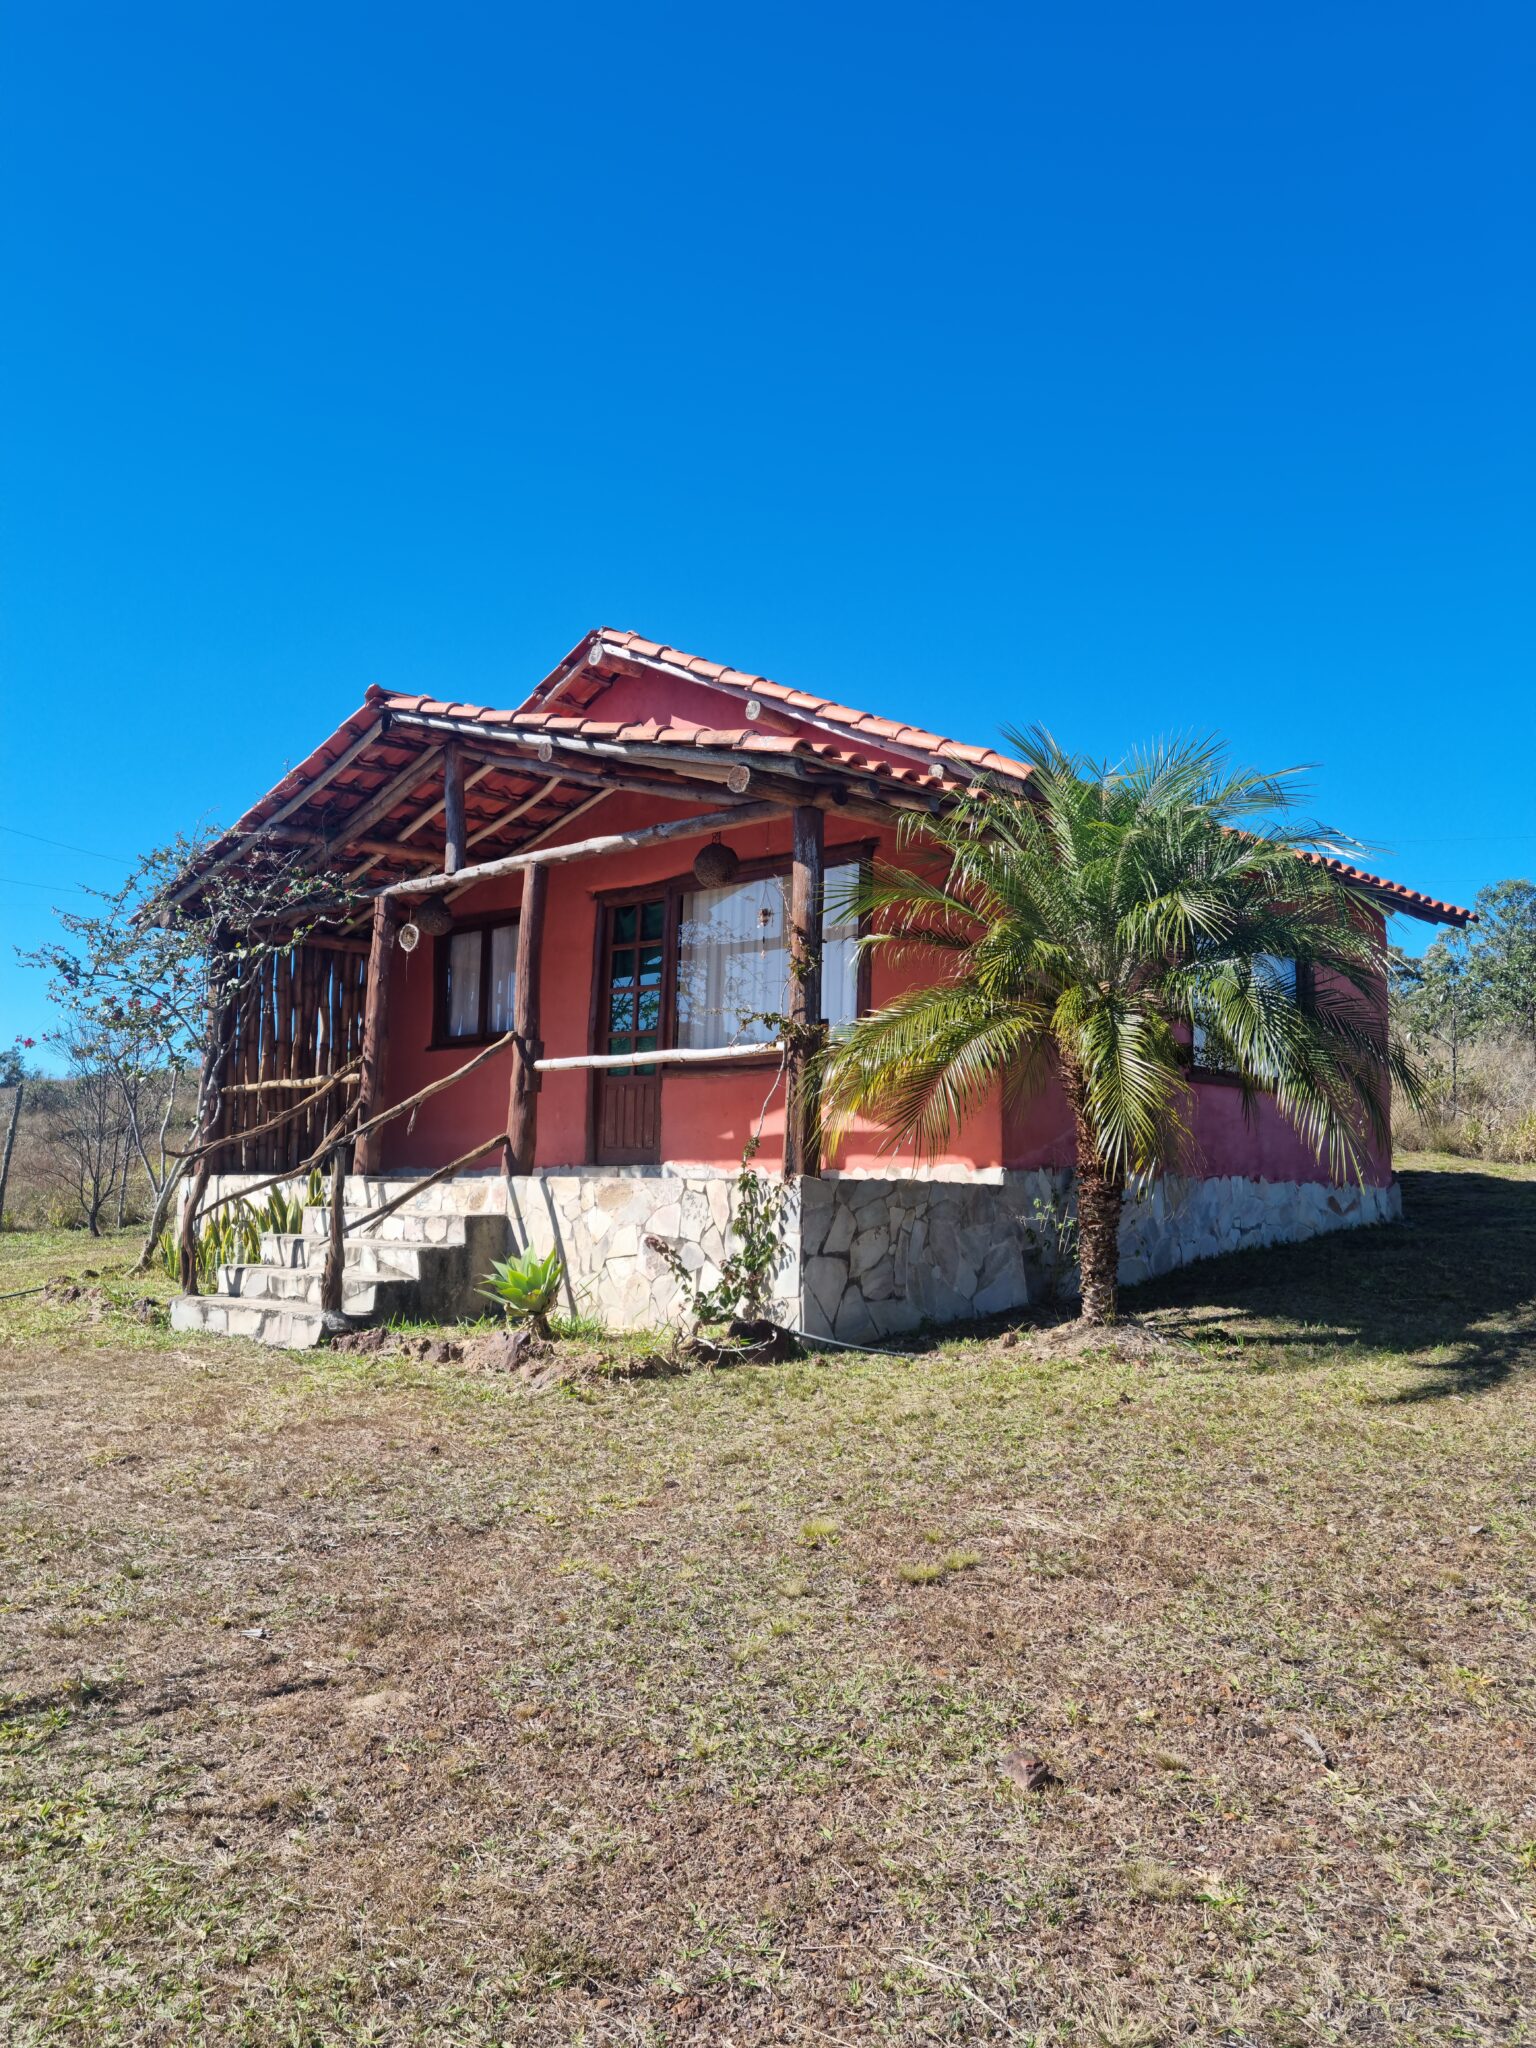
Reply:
x=503 y=954
x=839 y=949
x=733 y=960
x=464 y=985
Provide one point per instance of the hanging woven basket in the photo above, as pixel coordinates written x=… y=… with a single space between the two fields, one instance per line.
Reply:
x=716 y=865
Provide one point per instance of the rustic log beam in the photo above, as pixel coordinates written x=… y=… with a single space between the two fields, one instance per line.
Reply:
x=598 y=775
x=381 y=948
x=453 y=809
x=707 y=764
x=667 y=1056
x=523 y=1102
x=332 y=1279
x=699 y=764
x=589 y=849
x=802 y=1146
x=190 y=1215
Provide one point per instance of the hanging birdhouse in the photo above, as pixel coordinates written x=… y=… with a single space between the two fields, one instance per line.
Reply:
x=433 y=918
x=715 y=866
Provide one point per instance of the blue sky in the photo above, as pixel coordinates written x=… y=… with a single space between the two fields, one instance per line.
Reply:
x=1132 y=369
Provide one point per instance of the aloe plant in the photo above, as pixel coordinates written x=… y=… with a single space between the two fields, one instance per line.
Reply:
x=526 y=1288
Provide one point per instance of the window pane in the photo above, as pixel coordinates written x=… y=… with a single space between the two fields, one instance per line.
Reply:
x=649 y=1009
x=624 y=922
x=1268 y=969
x=621 y=1011
x=1281 y=972
x=503 y=956
x=464 y=985
x=732 y=961
x=653 y=920
x=839 y=948
x=623 y=971
x=650 y=965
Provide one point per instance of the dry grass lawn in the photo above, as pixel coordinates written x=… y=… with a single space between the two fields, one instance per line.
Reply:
x=989 y=1694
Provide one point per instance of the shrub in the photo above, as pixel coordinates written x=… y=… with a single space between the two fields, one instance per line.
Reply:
x=1489 y=1114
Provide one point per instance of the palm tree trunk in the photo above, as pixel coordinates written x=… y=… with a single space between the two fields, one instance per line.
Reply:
x=1100 y=1197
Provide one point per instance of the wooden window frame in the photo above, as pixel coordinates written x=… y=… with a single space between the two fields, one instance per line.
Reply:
x=485 y=923
x=673 y=889
x=1223 y=1077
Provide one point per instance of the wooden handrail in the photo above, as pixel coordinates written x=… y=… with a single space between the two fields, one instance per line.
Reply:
x=669 y=1056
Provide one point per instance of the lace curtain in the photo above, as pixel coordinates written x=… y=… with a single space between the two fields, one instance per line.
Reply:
x=733 y=959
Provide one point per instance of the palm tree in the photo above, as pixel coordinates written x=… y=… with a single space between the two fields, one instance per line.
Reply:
x=1087 y=927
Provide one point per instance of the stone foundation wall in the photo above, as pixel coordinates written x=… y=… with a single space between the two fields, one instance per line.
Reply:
x=867 y=1258
x=600 y=1219
x=882 y=1256
x=864 y=1257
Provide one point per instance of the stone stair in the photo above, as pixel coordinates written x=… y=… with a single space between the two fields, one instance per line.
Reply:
x=424 y=1263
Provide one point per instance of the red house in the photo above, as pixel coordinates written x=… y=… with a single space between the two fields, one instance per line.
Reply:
x=617 y=872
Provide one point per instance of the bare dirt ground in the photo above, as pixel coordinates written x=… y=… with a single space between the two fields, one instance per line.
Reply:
x=1004 y=1692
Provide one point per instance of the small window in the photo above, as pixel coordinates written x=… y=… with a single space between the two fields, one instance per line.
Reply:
x=475 y=982
x=1270 y=967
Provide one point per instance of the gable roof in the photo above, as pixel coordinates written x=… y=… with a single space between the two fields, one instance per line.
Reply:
x=380 y=772
x=590 y=666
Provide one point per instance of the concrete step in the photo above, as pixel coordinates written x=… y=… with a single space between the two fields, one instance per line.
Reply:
x=363 y=1254
x=474 y=1194
x=403 y=1227
x=289 y=1325
x=362 y=1300
x=465 y=1195
x=426 y=1260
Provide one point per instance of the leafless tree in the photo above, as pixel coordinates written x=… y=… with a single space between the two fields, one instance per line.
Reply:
x=87 y=1128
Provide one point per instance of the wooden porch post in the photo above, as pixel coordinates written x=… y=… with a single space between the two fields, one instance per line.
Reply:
x=381 y=950
x=453 y=809
x=522 y=1110
x=802 y=1141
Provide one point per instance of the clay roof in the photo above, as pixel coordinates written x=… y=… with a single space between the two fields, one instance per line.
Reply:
x=587 y=671
x=378 y=775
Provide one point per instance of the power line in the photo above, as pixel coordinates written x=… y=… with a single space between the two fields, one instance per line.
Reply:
x=65 y=846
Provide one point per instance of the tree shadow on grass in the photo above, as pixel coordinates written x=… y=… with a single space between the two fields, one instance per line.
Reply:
x=1457 y=1277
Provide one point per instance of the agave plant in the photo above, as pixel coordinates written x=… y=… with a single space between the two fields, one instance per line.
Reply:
x=526 y=1288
